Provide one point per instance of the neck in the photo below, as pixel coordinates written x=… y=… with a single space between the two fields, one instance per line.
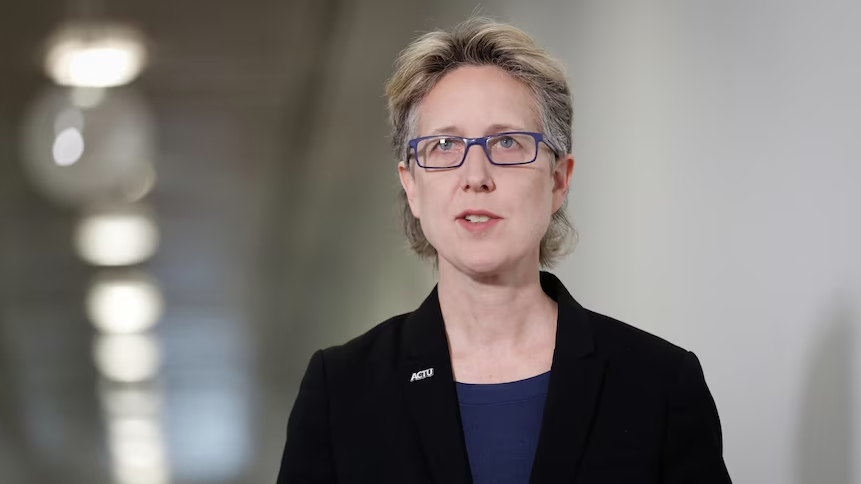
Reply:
x=494 y=312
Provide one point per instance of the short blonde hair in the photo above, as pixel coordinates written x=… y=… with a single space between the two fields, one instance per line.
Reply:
x=480 y=41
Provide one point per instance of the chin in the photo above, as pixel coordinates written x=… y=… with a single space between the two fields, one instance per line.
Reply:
x=481 y=263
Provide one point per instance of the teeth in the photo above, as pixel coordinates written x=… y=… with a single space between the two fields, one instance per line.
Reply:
x=477 y=218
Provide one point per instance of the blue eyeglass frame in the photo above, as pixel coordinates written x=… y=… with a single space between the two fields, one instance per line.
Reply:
x=482 y=141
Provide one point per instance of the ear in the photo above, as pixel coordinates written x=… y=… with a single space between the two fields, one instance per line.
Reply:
x=408 y=181
x=562 y=179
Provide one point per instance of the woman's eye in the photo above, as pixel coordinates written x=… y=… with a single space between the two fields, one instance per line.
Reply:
x=506 y=142
x=445 y=144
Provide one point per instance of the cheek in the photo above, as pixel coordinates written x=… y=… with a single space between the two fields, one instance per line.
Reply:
x=536 y=206
x=538 y=198
x=434 y=204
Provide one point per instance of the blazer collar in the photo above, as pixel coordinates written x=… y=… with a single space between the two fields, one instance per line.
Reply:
x=575 y=383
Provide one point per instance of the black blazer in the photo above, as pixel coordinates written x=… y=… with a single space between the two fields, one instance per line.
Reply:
x=623 y=406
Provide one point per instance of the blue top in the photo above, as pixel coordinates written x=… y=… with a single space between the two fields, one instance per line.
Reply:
x=501 y=423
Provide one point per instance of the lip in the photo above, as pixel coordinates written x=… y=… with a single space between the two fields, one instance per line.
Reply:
x=478 y=227
x=478 y=212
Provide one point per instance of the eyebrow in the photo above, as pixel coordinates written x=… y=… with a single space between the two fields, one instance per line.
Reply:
x=492 y=129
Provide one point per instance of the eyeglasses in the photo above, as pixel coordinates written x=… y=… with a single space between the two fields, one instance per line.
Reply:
x=444 y=151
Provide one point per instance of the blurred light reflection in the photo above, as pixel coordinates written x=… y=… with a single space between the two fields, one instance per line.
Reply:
x=124 y=304
x=117 y=238
x=70 y=118
x=68 y=147
x=95 y=56
x=143 y=399
x=127 y=358
x=87 y=97
x=137 y=449
x=141 y=184
x=118 y=131
x=135 y=431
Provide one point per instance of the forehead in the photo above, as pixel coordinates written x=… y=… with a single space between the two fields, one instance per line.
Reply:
x=470 y=100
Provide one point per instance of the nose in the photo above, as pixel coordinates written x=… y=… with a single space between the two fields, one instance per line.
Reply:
x=476 y=171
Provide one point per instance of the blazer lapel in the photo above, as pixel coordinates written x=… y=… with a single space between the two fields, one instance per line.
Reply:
x=576 y=379
x=431 y=394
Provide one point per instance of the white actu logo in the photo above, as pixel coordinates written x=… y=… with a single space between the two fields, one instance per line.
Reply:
x=421 y=375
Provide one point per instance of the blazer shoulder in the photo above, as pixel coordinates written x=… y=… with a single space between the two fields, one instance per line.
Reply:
x=618 y=338
x=375 y=346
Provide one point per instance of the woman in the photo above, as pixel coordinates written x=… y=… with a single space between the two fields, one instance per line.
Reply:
x=500 y=376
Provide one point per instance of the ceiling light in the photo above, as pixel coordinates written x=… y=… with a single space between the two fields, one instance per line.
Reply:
x=127 y=358
x=137 y=448
x=100 y=56
x=124 y=305
x=121 y=400
x=122 y=237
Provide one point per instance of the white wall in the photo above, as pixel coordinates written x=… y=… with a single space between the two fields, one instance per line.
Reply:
x=716 y=191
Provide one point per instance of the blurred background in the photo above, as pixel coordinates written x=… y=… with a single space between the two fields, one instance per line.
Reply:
x=196 y=195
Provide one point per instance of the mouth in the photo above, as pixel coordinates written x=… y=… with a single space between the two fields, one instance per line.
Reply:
x=477 y=216
x=477 y=220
